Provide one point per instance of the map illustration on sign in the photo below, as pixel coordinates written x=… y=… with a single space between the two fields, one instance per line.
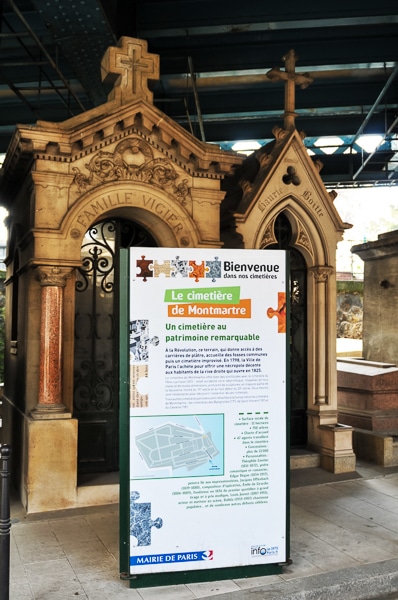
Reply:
x=184 y=445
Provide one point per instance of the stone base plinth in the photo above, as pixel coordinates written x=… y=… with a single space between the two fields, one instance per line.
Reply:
x=367 y=395
x=50 y=470
x=337 y=455
x=44 y=463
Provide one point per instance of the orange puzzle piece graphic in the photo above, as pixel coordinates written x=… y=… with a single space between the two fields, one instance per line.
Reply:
x=280 y=312
x=198 y=271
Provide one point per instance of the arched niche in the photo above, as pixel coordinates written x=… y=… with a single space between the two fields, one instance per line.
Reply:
x=314 y=233
x=308 y=235
x=157 y=212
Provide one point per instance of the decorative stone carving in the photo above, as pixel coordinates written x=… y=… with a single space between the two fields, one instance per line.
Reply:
x=318 y=164
x=291 y=79
x=291 y=176
x=250 y=187
x=265 y=160
x=132 y=160
x=333 y=194
x=321 y=274
x=302 y=238
x=128 y=67
x=269 y=235
x=247 y=187
x=53 y=275
x=279 y=134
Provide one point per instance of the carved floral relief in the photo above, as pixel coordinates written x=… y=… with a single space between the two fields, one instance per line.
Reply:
x=132 y=160
x=269 y=235
x=303 y=239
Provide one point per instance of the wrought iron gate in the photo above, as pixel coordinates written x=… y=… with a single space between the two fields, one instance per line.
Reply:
x=298 y=333
x=298 y=349
x=96 y=385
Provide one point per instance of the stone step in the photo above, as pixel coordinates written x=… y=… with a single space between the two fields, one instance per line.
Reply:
x=304 y=459
x=395 y=450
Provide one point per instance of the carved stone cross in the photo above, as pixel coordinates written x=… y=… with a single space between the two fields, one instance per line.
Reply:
x=128 y=67
x=291 y=79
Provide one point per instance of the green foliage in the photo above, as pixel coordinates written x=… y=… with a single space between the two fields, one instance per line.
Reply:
x=350 y=287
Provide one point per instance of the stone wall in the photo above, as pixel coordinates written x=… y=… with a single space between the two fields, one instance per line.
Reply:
x=349 y=309
x=380 y=330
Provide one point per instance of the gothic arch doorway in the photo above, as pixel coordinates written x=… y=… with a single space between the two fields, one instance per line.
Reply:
x=298 y=332
x=96 y=382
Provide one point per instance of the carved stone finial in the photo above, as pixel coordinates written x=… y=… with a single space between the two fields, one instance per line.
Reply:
x=279 y=134
x=318 y=164
x=246 y=186
x=291 y=79
x=128 y=67
x=265 y=160
x=333 y=195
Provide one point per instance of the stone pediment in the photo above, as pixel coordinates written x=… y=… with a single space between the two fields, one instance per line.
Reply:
x=85 y=137
x=80 y=135
x=284 y=169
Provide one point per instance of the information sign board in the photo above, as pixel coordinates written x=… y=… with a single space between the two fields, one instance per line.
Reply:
x=207 y=476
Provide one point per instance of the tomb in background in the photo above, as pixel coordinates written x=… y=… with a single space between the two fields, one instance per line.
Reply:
x=368 y=388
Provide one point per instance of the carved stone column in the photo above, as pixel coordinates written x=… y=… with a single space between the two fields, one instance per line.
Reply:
x=332 y=440
x=321 y=275
x=50 y=405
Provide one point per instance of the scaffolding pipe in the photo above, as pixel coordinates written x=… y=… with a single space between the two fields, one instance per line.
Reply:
x=389 y=130
x=195 y=94
x=367 y=119
x=53 y=87
x=46 y=54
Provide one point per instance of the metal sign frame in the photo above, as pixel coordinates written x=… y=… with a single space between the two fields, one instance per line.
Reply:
x=176 y=295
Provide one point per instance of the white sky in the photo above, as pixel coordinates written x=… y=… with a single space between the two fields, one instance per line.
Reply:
x=371 y=211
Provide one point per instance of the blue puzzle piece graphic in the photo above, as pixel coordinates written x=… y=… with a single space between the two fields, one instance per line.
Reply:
x=213 y=269
x=140 y=520
x=140 y=340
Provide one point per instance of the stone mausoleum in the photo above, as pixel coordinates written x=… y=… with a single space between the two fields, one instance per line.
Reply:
x=121 y=175
x=368 y=388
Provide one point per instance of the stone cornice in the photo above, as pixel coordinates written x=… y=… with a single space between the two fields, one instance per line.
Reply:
x=385 y=246
x=90 y=132
x=15 y=168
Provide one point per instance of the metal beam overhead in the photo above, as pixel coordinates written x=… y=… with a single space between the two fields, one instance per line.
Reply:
x=214 y=59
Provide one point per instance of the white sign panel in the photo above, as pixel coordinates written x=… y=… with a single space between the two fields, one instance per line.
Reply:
x=207 y=409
